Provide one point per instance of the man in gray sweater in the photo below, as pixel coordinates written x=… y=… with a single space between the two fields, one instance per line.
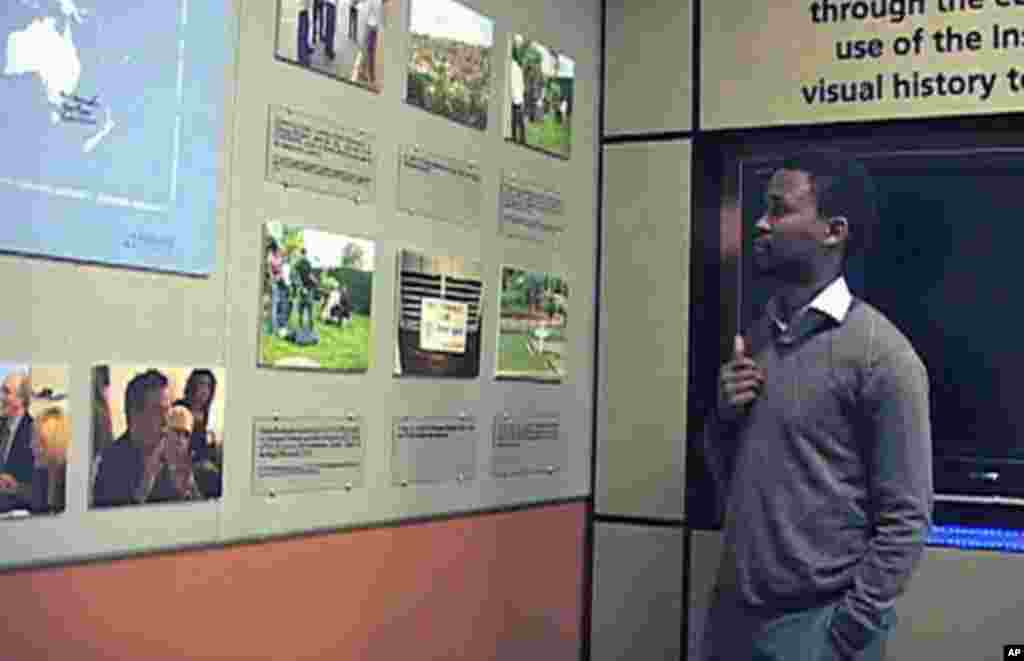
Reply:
x=821 y=441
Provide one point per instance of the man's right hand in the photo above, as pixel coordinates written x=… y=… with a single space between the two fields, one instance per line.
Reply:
x=739 y=383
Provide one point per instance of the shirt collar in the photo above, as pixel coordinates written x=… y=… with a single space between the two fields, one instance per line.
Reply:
x=7 y=444
x=834 y=301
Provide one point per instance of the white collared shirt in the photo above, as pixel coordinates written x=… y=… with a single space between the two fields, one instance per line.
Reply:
x=8 y=443
x=515 y=80
x=834 y=301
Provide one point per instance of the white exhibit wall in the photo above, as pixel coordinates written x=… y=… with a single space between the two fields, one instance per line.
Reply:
x=377 y=395
x=80 y=315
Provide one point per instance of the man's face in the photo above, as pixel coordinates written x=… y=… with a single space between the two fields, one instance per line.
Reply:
x=152 y=419
x=12 y=404
x=788 y=236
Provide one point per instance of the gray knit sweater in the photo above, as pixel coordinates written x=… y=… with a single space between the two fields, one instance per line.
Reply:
x=828 y=478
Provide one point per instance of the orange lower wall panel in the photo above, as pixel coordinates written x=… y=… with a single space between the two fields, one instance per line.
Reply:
x=494 y=586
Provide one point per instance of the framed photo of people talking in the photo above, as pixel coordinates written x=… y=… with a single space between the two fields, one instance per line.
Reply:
x=35 y=439
x=157 y=434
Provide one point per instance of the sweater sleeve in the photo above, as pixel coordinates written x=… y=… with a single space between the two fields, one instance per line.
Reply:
x=899 y=456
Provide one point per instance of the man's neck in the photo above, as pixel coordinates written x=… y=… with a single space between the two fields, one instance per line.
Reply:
x=149 y=447
x=794 y=296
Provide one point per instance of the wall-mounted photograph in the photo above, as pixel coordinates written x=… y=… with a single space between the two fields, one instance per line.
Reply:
x=440 y=316
x=532 y=339
x=157 y=434
x=35 y=439
x=540 y=84
x=315 y=299
x=339 y=38
x=450 y=61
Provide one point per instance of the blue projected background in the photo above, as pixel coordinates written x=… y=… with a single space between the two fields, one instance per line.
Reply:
x=113 y=124
x=971 y=537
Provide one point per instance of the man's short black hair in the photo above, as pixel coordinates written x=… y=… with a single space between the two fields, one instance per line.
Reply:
x=843 y=187
x=138 y=387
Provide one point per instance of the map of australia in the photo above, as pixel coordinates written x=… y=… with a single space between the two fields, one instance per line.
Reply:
x=49 y=52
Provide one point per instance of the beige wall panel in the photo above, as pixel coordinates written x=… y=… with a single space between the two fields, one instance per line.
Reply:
x=637 y=596
x=641 y=446
x=758 y=57
x=705 y=550
x=648 y=61
x=960 y=605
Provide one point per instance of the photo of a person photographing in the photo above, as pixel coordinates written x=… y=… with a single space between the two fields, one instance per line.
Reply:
x=820 y=444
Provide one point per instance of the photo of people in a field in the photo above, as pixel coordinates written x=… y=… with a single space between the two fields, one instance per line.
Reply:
x=539 y=104
x=316 y=297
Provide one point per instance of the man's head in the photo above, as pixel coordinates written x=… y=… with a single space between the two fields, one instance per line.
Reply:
x=819 y=207
x=16 y=394
x=147 y=401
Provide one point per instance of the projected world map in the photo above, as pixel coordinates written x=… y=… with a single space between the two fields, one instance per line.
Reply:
x=113 y=126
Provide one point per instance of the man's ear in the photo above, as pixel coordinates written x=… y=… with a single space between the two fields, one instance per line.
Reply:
x=837 y=232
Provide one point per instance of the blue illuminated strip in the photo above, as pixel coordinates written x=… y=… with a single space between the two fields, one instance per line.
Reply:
x=965 y=537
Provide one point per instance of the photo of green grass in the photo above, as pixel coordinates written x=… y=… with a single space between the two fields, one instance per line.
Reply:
x=532 y=338
x=539 y=97
x=315 y=300
x=348 y=348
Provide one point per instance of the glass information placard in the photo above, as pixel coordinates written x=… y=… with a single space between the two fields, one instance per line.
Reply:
x=307 y=454
x=320 y=155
